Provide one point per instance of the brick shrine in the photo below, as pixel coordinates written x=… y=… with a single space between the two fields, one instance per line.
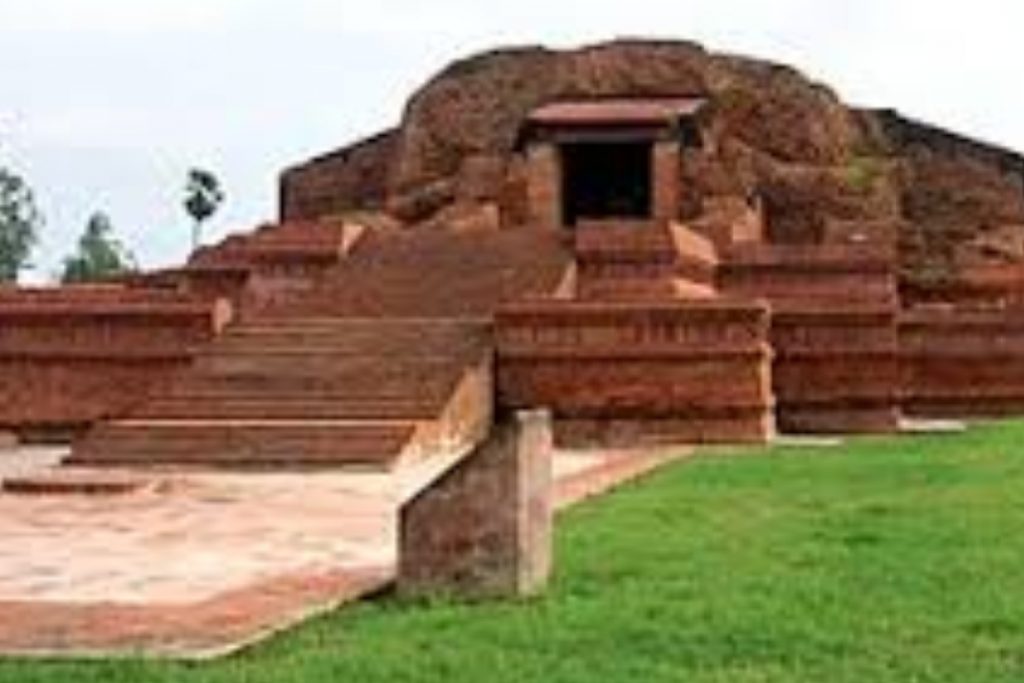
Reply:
x=656 y=243
x=648 y=243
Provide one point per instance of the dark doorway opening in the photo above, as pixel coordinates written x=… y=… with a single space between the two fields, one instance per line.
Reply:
x=606 y=180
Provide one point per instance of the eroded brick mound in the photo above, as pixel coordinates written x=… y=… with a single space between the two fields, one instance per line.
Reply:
x=826 y=171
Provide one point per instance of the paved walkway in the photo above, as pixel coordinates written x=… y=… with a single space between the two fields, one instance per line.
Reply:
x=200 y=564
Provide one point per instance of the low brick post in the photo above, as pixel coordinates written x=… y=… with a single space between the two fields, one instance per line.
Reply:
x=483 y=530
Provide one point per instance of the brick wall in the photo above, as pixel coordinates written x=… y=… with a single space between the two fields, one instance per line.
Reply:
x=71 y=356
x=626 y=261
x=255 y=269
x=835 y=273
x=962 y=362
x=833 y=330
x=977 y=285
x=836 y=369
x=645 y=372
x=353 y=178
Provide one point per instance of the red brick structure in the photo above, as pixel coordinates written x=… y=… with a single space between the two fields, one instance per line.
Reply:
x=654 y=242
x=962 y=362
x=833 y=332
x=654 y=372
x=73 y=356
x=645 y=241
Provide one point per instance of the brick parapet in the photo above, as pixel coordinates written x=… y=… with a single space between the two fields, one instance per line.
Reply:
x=962 y=362
x=836 y=370
x=70 y=356
x=677 y=364
x=846 y=274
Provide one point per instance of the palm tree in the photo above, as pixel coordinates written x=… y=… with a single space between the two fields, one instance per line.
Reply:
x=203 y=196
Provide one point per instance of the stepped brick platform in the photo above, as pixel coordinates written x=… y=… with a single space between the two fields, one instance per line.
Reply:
x=675 y=372
x=71 y=356
x=435 y=274
x=648 y=268
x=960 y=362
x=844 y=273
x=380 y=362
x=834 y=368
x=275 y=259
x=311 y=392
x=637 y=261
x=833 y=331
x=999 y=285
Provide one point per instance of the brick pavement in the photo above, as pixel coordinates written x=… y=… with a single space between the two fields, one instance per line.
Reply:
x=201 y=564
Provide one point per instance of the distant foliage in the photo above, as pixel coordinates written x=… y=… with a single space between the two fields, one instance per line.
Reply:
x=19 y=224
x=203 y=196
x=99 y=255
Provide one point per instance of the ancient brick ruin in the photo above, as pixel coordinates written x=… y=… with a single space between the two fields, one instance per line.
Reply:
x=655 y=243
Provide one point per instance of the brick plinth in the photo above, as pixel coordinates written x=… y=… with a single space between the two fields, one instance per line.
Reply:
x=836 y=368
x=71 y=356
x=959 y=362
x=483 y=530
x=661 y=372
x=839 y=274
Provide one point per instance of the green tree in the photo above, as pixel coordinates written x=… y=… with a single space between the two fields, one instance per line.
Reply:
x=19 y=223
x=99 y=255
x=203 y=196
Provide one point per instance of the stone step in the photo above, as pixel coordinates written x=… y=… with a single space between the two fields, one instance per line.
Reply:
x=411 y=331
x=337 y=369
x=294 y=407
x=380 y=383
x=339 y=345
x=244 y=444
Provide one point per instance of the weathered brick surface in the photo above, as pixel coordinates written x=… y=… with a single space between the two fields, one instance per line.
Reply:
x=71 y=356
x=847 y=274
x=405 y=274
x=962 y=362
x=993 y=285
x=544 y=187
x=351 y=178
x=833 y=332
x=687 y=370
x=642 y=260
x=257 y=268
x=484 y=528
x=836 y=369
x=666 y=162
x=304 y=393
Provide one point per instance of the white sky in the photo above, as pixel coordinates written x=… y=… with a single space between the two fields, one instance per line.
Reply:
x=104 y=104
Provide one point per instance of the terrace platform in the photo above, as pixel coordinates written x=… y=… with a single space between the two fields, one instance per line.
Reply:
x=200 y=564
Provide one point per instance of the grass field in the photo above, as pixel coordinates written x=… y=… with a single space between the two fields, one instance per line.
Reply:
x=883 y=560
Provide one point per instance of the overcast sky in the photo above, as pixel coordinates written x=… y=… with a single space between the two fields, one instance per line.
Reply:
x=104 y=104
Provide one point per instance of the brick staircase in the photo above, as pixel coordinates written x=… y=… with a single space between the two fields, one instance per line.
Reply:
x=436 y=274
x=310 y=392
x=387 y=359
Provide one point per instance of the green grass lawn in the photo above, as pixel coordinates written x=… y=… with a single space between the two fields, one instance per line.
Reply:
x=895 y=559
